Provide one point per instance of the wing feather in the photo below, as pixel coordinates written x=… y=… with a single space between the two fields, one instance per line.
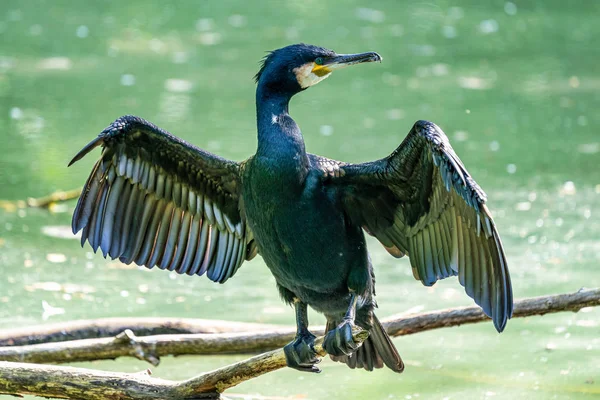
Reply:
x=83 y=211
x=201 y=247
x=429 y=270
x=161 y=236
x=437 y=250
x=188 y=259
x=208 y=263
x=182 y=242
x=486 y=296
x=421 y=201
x=143 y=231
x=115 y=245
x=155 y=200
x=109 y=214
x=447 y=243
x=151 y=234
x=217 y=267
x=99 y=217
x=210 y=245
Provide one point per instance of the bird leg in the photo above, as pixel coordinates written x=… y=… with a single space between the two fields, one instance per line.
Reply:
x=339 y=341
x=300 y=353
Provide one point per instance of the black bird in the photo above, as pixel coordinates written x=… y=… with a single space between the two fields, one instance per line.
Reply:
x=156 y=200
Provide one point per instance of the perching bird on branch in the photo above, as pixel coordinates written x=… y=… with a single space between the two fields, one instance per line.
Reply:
x=156 y=200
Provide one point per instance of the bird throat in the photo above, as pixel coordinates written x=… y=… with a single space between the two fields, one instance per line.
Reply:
x=310 y=74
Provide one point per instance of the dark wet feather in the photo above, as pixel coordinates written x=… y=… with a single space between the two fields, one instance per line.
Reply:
x=153 y=199
x=422 y=201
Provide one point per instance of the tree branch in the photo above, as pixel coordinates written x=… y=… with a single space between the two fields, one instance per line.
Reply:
x=85 y=384
x=41 y=202
x=56 y=197
x=78 y=383
x=151 y=348
x=406 y=325
x=109 y=327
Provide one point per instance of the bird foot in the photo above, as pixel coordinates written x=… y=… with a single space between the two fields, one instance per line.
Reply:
x=300 y=353
x=339 y=341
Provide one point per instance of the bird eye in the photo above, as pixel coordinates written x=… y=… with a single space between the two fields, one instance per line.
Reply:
x=319 y=61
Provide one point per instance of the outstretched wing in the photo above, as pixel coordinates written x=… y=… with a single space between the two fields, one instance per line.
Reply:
x=421 y=201
x=156 y=200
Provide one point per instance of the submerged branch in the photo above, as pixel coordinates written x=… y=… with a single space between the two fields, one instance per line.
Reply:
x=56 y=197
x=151 y=348
x=41 y=202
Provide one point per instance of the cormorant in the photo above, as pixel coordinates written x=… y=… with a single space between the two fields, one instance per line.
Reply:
x=155 y=200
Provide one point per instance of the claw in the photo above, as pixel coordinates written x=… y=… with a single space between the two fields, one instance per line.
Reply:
x=300 y=354
x=339 y=341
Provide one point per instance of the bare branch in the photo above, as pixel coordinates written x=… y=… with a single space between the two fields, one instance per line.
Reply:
x=78 y=383
x=406 y=325
x=151 y=348
x=109 y=327
x=56 y=197
x=85 y=384
x=41 y=202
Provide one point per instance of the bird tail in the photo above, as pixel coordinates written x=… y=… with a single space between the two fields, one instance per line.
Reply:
x=375 y=352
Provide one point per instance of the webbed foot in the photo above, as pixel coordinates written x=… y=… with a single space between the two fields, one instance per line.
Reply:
x=339 y=341
x=300 y=353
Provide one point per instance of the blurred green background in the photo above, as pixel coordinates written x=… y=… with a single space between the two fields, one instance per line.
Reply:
x=515 y=86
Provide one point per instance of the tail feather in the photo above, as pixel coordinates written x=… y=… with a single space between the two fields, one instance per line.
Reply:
x=375 y=352
x=385 y=347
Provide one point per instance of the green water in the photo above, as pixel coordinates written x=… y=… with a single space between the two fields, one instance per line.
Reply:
x=512 y=84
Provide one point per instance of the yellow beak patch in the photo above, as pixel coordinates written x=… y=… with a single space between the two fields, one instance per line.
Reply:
x=320 y=70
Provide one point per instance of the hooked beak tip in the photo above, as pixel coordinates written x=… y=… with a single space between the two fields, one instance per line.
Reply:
x=344 y=60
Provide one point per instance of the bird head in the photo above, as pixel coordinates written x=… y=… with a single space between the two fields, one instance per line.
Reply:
x=296 y=67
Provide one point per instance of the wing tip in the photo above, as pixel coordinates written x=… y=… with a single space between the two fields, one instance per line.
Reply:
x=424 y=124
x=89 y=147
x=500 y=321
x=394 y=251
x=119 y=125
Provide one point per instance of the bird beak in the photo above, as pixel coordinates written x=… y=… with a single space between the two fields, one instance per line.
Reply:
x=344 y=60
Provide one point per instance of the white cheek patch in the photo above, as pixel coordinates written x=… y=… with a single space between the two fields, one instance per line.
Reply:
x=306 y=77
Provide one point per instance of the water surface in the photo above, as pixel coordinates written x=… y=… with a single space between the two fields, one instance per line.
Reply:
x=512 y=84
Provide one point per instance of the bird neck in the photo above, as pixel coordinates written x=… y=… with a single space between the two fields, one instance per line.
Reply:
x=268 y=105
x=278 y=134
